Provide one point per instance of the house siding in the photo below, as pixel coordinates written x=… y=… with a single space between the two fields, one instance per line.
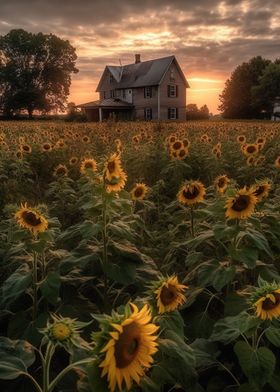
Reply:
x=178 y=102
x=140 y=103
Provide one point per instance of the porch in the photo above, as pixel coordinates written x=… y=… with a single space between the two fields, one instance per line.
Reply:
x=112 y=108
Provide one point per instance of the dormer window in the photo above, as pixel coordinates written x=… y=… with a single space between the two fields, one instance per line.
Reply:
x=172 y=74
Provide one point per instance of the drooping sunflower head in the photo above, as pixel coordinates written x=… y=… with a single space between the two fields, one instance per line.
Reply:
x=60 y=171
x=266 y=301
x=128 y=348
x=139 y=191
x=221 y=183
x=169 y=294
x=191 y=193
x=242 y=205
x=261 y=190
x=88 y=165
x=31 y=219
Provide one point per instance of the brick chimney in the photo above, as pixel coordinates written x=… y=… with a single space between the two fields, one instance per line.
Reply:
x=137 y=58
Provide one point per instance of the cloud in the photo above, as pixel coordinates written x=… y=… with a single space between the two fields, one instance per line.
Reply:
x=209 y=37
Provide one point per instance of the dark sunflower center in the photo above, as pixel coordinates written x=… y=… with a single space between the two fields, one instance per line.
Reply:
x=177 y=145
x=26 y=148
x=182 y=153
x=88 y=165
x=168 y=295
x=31 y=218
x=268 y=304
x=126 y=348
x=60 y=171
x=221 y=182
x=191 y=194
x=241 y=203
x=46 y=146
x=259 y=191
x=111 y=166
x=251 y=149
x=138 y=192
x=241 y=139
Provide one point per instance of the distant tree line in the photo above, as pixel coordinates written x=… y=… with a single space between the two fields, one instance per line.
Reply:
x=251 y=90
x=35 y=72
x=194 y=113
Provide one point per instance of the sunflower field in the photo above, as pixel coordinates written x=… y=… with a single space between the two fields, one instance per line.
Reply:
x=140 y=257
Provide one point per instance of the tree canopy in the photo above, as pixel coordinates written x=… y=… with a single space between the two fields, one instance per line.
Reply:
x=35 y=72
x=193 y=113
x=251 y=89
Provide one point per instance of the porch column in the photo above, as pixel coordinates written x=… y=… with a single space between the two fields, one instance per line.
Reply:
x=100 y=114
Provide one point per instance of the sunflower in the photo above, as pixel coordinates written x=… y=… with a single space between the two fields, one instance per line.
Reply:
x=277 y=162
x=128 y=352
x=250 y=161
x=25 y=148
x=242 y=205
x=31 y=219
x=250 y=149
x=221 y=183
x=73 y=161
x=115 y=184
x=64 y=331
x=169 y=294
x=85 y=139
x=241 y=139
x=46 y=147
x=113 y=167
x=267 y=307
x=60 y=171
x=261 y=190
x=191 y=193
x=88 y=165
x=177 y=145
x=139 y=191
x=182 y=154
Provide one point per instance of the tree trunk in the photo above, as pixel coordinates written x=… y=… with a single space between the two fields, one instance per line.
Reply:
x=30 y=113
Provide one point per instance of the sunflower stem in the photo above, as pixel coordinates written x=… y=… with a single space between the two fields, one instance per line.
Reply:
x=46 y=366
x=66 y=370
x=105 y=242
x=34 y=284
x=192 y=221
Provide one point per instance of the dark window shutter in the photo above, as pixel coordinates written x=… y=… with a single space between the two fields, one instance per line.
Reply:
x=168 y=114
x=151 y=92
x=151 y=115
x=144 y=92
x=168 y=90
x=177 y=113
x=176 y=91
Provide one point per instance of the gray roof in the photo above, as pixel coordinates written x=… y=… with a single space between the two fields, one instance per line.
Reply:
x=146 y=73
x=110 y=102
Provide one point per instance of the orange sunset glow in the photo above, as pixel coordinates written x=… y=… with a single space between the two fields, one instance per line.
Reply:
x=209 y=38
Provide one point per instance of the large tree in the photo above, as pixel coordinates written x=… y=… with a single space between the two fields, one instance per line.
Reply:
x=35 y=72
x=237 y=97
x=268 y=88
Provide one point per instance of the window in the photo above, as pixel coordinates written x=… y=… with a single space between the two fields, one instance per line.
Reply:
x=172 y=74
x=148 y=114
x=172 y=91
x=147 y=92
x=112 y=93
x=172 y=113
x=111 y=78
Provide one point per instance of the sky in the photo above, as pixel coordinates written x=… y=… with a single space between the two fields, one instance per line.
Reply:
x=208 y=37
